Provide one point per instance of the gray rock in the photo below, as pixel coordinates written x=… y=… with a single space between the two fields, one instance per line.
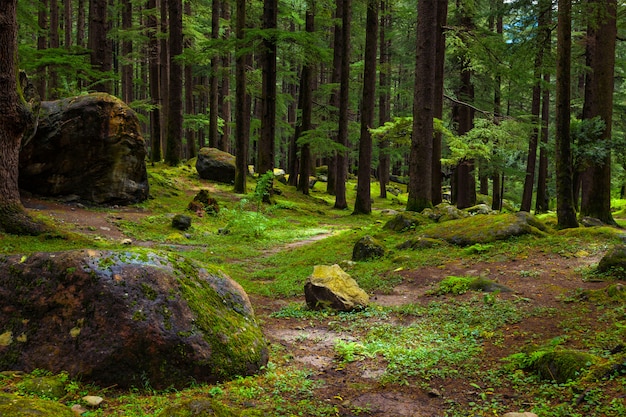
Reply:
x=367 y=248
x=405 y=221
x=215 y=165
x=420 y=243
x=126 y=319
x=480 y=209
x=89 y=146
x=93 y=400
x=181 y=222
x=614 y=262
x=591 y=222
x=332 y=287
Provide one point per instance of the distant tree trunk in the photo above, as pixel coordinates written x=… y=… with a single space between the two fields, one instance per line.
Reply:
x=14 y=120
x=498 y=177
x=542 y=200
x=600 y=51
x=566 y=214
x=164 y=61
x=421 y=156
x=41 y=82
x=67 y=24
x=214 y=77
x=344 y=101
x=363 y=202
x=155 y=91
x=384 y=102
x=306 y=106
x=437 y=176
x=99 y=44
x=242 y=112
x=225 y=90
x=173 y=149
x=266 y=141
x=80 y=23
x=531 y=162
x=335 y=78
x=127 y=50
x=54 y=42
x=190 y=134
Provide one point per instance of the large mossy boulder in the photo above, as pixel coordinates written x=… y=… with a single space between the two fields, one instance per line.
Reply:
x=331 y=287
x=444 y=212
x=198 y=408
x=563 y=365
x=87 y=146
x=215 y=165
x=18 y=406
x=126 y=319
x=485 y=229
x=614 y=262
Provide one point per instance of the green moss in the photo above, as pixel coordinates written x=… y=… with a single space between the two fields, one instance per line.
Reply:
x=15 y=406
x=562 y=365
x=460 y=285
x=199 y=408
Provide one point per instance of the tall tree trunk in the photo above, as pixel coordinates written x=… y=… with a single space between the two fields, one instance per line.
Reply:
x=335 y=78
x=242 y=111
x=384 y=102
x=498 y=177
x=127 y=50
x=15 y=118
x=173 y=149
x=214 y=77
x=542 y=39
x=41 y=82
x=67 y=24
x=266 y=141
x=437 y=176
x=566 y=214
x=80 y=24
x=164 y=61
x=600 y=51
x=100 y=45
x=306 y=106
x=344 y=101
x=421 y=156
x=54 y=42
x=542 y=200
x=363 y=202
x=190 y=134
x=154 y=81
x=225 y=90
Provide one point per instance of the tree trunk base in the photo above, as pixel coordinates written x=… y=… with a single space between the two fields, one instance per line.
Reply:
x=15 y=220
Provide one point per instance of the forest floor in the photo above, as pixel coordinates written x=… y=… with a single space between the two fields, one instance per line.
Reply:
x=541 y=282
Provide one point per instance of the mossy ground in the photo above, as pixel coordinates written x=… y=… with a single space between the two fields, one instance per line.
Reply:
x=409 y=353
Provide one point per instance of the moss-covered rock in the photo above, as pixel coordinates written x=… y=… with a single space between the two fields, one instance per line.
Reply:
x=614 y=262
x=215 y=165
x=52 y=387
x=614 y=293
x=421 y=243
x=367 y=248
x=562 y=365
x=332 y=287
x=484 y=229
x=461 y=284
x=406 y=221
x=444 y=212
x=126 y=319
x=16 y=406
x=199 y=408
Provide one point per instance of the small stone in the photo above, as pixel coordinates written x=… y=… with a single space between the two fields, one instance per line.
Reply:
x=92 y=400
x=78 y=409
x=127 y=241
x=434 y=393
x=526 y=414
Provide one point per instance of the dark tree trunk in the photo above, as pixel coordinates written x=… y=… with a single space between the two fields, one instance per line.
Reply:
x=80 y=23
x=242 y=112
x=41 y=82
x=542 y=200
x=437 y=176
x=155 y=91
x=54 y=42
x=100 y=45
x=601 y=37
x=225 y=90
x=344 y=101
x=173 y=149
x=164 y=61
x=127 y=50
x=384 y=102
x=498 y=178
x=306 y=106
x=190 y=134
x=566 y=214
x=265 y=161
x=214 y=77
x=67 y=24
x=531 y=162
x=14 y=120
x=421 y=156
x=363 y=202
x=335 y=78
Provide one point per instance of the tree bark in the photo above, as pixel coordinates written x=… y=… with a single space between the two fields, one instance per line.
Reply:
x=190 y=134
x=600 y=51
x=213 y=78
x=437 y=176
x=266 y=141
x=15 y=117
x=566 y=214
x=154 y=83
x=100 y=45
x=384 y=102
x=42 y=43
x=344 y=101
x=225 y=90
x=54 y=42
x=363 y=202
x=242 y=112
x=173 y=148
x=335 y=78
x=127 y=50
x=542 y=200
x=421 y=156
x=306 y=106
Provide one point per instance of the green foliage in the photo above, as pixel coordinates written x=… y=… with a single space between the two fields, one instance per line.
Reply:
x=454 y=285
